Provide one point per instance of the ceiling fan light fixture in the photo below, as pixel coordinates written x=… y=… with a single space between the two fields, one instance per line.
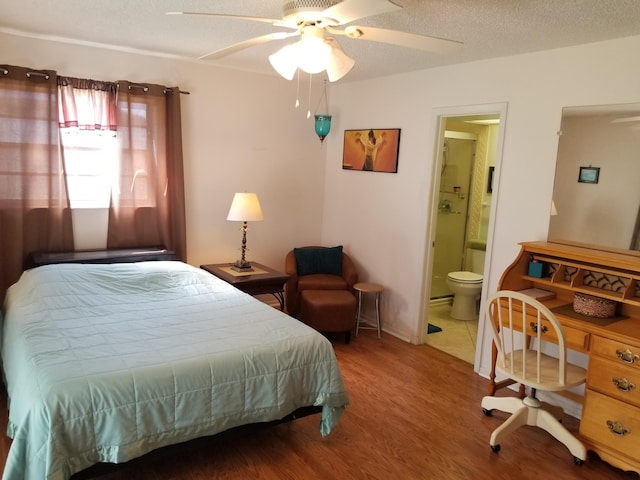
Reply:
x=313 y=54
x=339 y=62
x=285 y=61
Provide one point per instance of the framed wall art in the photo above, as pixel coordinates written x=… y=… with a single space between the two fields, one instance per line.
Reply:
x=589 y=174
x=373 y=150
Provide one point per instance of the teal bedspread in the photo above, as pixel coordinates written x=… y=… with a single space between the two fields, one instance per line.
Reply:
x=104 y=363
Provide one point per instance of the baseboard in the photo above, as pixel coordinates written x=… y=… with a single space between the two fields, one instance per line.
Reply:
x=437 y=302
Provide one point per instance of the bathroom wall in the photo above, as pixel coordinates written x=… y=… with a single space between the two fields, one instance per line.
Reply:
x=454 y=196
x=480 y=198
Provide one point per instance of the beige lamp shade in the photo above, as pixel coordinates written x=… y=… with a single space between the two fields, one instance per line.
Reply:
x=245 y=208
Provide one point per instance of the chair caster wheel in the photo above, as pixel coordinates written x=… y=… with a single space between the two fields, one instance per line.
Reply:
x=495 y=448
x=578 y=461
x=487 y=412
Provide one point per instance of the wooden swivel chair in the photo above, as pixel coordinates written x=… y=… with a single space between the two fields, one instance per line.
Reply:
x=508 y=314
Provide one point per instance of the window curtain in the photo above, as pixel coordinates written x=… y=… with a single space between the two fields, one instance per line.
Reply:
x=87 y=104
x=147 y=205
x=34 y=213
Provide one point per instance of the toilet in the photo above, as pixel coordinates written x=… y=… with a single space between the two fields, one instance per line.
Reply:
x=466 y=287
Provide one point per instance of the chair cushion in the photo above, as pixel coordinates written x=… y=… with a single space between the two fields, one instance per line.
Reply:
x=329 y=311
x=319 y=260
x=321 y=281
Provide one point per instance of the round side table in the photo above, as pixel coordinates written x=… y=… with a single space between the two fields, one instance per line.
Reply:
x=361 y=288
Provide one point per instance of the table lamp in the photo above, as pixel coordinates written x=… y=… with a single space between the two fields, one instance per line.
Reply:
x=244 y=208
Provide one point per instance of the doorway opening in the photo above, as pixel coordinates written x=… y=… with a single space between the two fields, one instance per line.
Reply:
x=463 y=196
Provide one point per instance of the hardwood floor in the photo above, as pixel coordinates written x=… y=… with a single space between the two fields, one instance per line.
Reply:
x=414 y=414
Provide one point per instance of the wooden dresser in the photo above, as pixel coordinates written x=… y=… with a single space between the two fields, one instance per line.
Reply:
x=610 y=423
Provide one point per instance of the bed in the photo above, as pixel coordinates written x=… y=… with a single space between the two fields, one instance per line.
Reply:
x=107 y=362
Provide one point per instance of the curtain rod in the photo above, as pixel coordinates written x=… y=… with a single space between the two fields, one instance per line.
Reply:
x=29 y=74
x=146 y=88
x=132 y=85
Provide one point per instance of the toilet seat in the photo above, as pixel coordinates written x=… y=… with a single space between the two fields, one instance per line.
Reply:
x=465 y=277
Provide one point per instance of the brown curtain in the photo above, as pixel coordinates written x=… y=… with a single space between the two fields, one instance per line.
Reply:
x=34 y=213
x=147 y=207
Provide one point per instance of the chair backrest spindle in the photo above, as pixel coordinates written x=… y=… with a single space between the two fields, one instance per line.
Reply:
x=521 y=325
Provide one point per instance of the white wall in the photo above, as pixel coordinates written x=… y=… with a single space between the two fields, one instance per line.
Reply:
x=241 y=133
x=383 y=218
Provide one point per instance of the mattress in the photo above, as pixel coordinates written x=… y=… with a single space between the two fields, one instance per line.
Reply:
x=104 y=363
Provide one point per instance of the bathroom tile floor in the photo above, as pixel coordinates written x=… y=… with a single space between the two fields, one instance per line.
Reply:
x=457 y=338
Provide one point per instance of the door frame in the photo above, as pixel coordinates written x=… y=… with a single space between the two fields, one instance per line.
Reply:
x=439 y=119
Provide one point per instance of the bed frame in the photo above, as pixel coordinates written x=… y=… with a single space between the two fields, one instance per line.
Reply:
x=100 y=469
x=124 y=255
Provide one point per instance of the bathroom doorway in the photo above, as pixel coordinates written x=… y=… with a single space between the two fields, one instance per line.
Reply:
x=460 y=221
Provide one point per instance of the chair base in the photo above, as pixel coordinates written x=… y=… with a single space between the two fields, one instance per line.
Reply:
x=528 y=412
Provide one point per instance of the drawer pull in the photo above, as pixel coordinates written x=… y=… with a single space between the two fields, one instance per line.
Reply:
x=617 y=428
x=627 y=356
x=534 y=327
x=623 y=384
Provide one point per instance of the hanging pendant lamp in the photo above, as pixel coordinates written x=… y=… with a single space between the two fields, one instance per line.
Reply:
x=323 y=120
x=323 y=125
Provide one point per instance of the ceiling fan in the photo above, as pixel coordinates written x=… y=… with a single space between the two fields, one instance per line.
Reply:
x=315 y=52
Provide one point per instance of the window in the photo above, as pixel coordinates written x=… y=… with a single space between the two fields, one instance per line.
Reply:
x=91 y=166
x=28 y=143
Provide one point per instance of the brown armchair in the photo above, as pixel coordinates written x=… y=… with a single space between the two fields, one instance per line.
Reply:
x=315 y=281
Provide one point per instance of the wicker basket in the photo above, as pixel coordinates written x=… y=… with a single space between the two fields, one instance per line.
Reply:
x=593 y=306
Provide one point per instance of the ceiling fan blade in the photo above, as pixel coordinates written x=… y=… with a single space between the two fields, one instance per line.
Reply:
x=272 y=21
x=223 y=52
x=402 y=39
x=350 y=10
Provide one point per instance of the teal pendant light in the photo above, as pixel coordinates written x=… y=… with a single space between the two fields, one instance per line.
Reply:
x=323 y=125
x=323 y=120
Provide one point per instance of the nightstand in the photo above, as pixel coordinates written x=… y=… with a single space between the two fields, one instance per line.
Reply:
x=261 y=280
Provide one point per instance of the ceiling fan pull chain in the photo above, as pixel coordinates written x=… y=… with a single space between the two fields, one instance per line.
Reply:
x=309 y=103
x=298 y=88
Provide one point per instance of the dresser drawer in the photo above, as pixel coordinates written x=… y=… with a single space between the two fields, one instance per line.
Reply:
x=611 y=423
x=575 y=339
x=620 y=352
x=614 y=379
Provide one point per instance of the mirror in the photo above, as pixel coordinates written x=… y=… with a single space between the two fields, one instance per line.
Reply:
x=596 y=192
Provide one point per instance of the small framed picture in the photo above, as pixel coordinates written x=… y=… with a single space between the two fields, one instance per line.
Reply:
x=589 y=174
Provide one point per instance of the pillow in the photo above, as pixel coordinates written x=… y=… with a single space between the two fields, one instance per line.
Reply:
x=319 y=260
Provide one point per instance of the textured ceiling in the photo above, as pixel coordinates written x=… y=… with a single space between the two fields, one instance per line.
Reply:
x=488 y=28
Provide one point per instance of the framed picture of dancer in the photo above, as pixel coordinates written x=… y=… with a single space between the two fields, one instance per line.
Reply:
x=371 y=150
